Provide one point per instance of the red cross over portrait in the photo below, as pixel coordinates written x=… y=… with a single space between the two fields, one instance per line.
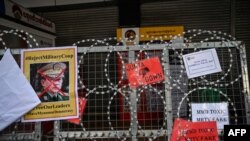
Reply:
x=52 y=75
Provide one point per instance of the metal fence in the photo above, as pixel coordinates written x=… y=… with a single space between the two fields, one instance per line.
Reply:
x=116 y=111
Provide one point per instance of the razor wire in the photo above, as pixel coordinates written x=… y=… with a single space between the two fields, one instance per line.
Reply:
x=188 y=37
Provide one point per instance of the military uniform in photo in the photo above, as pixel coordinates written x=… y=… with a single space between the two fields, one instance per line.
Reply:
x=53 y=72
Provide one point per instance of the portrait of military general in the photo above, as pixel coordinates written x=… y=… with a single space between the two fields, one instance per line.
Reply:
x=50 y=81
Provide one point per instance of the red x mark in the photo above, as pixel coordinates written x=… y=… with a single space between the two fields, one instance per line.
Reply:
x=48 y=79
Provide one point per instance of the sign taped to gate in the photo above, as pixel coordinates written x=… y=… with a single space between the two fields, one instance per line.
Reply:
x=144 y=72
x=211 y=112
x=52 y=73
x=202 y=63
x=184 y=130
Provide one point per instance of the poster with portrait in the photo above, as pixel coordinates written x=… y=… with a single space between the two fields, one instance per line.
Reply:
x=52 y=72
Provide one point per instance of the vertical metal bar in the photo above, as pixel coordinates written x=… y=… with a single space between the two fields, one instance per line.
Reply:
x=38 y=131
x=245 y=78
x=56 y=130
x=232 y=20
x=131 y=57
x=168 y=97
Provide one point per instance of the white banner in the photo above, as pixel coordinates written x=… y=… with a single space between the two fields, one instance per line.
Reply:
x=211 y=112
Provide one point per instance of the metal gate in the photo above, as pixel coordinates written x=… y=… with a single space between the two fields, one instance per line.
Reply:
x=115 y=111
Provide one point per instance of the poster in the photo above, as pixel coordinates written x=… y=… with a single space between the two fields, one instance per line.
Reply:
x=184 y=130
x=211 y=112
x=201 y=63
x=144 y=72
x=52 y=73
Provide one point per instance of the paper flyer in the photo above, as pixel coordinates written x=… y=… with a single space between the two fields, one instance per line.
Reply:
x=52 y=73
x=211 y=112
x=184 y=130
x=144 y=72
x=201 y=63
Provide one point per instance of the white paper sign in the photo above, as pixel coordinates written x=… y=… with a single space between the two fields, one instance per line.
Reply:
x=201 y=63
x=211 y=112
x=17 y=97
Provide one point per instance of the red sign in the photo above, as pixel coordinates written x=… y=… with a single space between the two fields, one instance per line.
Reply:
x=82 y=104
x=184 y=130
x=147 y=71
